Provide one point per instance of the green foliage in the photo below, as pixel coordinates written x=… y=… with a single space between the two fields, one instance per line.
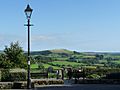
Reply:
x=82 y=59
x=65 y=63
x=4 y=63
x=90 y=62
x=116 y=61
x=13 y=75
x=43 y=59
x=18 y=76
x=52 y=75
x=34 y=66
x=13 y=57
x=48 y=65
x=99 y=57
x=41 y=66
x=46 y=52
x=93 y=76
x=5 y=75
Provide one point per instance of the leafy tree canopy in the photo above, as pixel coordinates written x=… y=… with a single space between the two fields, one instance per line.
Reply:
x=13 y=57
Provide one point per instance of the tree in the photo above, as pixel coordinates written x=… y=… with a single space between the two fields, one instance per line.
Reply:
x=4 y=63
x=99 y=57
x=13 y=56
x=41 y=66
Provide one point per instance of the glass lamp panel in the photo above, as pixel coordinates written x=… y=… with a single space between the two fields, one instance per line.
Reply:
x=28 y=14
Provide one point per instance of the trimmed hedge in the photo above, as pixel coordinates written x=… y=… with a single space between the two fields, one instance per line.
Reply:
x=13 y=75
x=18 y=76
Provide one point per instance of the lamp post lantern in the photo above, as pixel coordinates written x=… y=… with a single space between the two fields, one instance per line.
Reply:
x=28 y=12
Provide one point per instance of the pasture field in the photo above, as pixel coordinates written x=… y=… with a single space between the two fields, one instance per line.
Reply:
x=117 y=61
x=66 y=63
x=103 y=61
x=59 y=64
x=54 y=67
x=35 y=66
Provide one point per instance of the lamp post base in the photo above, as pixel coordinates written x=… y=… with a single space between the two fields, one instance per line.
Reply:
x=28 y=84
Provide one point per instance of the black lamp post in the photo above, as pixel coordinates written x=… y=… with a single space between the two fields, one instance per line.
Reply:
x=28 y=12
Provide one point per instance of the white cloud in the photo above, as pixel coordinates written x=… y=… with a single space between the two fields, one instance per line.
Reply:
x=41 y=38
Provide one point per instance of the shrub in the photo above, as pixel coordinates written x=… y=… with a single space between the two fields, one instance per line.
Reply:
x=13 y=75
x=93 y=76
x=5 y=75
x=18 y=76
x=52 y=75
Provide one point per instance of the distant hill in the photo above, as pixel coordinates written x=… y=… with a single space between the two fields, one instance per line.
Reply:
x=46 y=52
x=74 y=56
x=69 y=52
x=61 y=51
x=55 y=51
x=103 y=53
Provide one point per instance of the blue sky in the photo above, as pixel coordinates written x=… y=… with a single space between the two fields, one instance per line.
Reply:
x=82 y=25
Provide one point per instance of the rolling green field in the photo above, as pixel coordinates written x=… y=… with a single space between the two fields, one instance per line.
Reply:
x=103 y=61
x=66 y=63
x=57 y=64
x=117 y=61
x=54 y=67
x=62 y=58
x=35 y=66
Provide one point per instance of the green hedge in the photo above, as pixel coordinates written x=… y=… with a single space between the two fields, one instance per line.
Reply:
x=18 y=76
x=5 y=75
x=11 y=75
x=93 y=76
